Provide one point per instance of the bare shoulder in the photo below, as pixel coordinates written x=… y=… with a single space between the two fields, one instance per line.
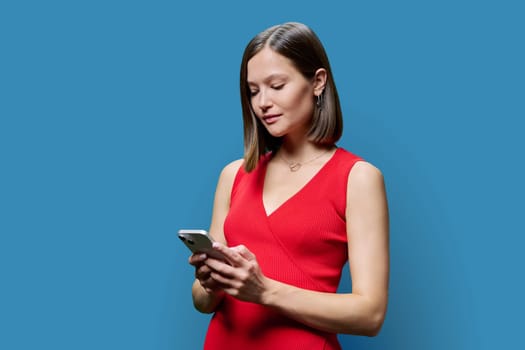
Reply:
x=364 y=174
x=228 y=174
x=365 y=182
x=231 y=169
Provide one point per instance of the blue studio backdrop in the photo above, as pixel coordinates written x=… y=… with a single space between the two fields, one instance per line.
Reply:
x=116 y=118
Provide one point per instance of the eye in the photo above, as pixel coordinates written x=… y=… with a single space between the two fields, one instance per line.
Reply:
x=277 y=86
x=253 y=92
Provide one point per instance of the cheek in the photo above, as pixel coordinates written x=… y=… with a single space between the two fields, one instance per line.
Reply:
x=301 y=100
x=298 y=99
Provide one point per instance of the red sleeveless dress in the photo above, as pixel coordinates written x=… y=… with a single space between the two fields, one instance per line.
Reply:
x=302 y=243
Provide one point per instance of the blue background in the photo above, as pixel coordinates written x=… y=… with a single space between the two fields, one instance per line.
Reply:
x=116 y=118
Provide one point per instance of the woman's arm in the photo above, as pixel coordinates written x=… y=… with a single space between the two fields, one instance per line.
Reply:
x=206 y=293
x=360 y=312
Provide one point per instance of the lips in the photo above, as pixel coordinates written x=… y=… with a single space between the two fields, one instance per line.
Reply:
x=270 y=118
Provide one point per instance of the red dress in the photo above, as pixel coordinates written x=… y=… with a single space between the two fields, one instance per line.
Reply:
x=302 y=243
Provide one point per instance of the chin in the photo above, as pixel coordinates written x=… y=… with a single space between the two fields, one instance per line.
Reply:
x=275 y=132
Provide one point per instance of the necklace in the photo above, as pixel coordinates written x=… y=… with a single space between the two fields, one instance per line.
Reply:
x=295 y=166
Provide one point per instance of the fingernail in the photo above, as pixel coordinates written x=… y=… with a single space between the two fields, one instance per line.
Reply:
x=202 y=256
x=216 y=245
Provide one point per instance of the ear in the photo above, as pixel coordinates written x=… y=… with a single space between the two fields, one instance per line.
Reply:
x=319 y=81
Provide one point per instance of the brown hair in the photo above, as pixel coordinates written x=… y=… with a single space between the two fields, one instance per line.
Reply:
x=302 y=47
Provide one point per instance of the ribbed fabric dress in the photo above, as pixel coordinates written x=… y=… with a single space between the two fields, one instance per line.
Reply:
x=302 y=243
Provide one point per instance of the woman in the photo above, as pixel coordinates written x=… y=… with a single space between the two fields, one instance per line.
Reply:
x=292 y=212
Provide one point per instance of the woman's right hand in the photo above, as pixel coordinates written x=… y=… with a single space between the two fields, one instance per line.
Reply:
x=203 y=273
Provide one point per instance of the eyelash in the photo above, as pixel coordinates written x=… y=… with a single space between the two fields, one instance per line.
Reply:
x=275 y=87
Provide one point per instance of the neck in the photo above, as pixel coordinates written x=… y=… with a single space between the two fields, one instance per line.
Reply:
x=301 y=149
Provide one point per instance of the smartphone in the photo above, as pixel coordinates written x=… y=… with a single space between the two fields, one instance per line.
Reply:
x=199 y=241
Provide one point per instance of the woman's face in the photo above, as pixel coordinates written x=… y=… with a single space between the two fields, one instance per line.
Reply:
x=281 y=97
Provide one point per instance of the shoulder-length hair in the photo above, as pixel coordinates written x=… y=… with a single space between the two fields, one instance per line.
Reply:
x=302 y=47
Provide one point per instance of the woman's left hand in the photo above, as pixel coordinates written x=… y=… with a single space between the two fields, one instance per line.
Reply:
x=243 y=278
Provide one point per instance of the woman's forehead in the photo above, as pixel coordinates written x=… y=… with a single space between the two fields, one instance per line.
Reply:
x=268 y=64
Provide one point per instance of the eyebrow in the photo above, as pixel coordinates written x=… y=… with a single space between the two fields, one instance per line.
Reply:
x=270 y=78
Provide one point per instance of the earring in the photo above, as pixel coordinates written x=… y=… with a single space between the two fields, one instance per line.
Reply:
x=319 y=102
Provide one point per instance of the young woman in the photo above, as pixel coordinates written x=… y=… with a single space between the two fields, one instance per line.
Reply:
x=292 y=212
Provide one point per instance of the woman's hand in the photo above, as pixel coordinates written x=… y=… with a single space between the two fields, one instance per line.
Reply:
x=203 y=273
x=241 y=277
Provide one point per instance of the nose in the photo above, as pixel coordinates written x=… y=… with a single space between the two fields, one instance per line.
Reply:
x=264 y=102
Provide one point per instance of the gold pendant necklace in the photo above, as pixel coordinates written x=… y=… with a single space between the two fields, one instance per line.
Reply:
x=295 y=166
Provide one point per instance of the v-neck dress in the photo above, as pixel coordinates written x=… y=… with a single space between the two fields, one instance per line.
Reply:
x=302 y=243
